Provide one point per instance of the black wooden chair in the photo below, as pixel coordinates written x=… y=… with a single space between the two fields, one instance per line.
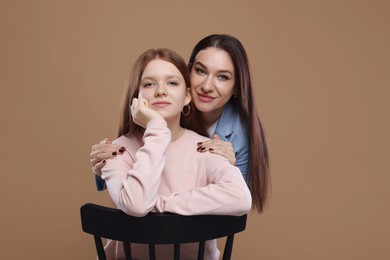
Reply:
x=158 y=228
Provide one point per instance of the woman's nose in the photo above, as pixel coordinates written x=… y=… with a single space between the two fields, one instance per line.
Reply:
x=207 y=85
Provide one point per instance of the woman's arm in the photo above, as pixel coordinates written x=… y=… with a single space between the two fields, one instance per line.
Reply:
x=99 y=154
x=105 y=149
x=133 y=179
x=236 y=150
x=218 y=146
x=242 y=158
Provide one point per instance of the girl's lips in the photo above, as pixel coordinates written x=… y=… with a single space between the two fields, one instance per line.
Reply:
x=205 y=98
x=161 y=104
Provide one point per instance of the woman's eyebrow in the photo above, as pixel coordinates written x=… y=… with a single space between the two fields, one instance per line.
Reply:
x=200 y=64
x=219 y=71
x=225 y=71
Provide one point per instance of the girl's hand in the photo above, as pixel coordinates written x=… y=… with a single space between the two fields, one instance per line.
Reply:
x=141 y=112
x=103 y=151
x=217 y=146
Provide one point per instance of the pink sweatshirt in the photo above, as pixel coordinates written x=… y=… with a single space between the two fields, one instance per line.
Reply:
x=155 y=174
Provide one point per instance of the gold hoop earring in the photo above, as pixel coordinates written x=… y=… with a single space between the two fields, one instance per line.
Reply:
x=188 y=110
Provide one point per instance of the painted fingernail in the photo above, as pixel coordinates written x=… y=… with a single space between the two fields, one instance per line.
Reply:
x=113 y=153
x=104 y=161
x=121 y=150
x=203 y=148
x=199 y=143
x=211 y=149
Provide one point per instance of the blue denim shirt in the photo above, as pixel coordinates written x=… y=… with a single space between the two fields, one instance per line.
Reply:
x=100 y=183
x=230 y=129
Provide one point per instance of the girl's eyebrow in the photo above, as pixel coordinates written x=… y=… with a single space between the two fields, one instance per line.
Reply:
x=198 y=63
x=165 y=77
x=173 y=76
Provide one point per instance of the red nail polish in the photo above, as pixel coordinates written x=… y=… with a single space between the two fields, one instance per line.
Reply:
x=104 y=161
x=211 y=149
x=113 y=153
x=121 y=150
x=199 y=143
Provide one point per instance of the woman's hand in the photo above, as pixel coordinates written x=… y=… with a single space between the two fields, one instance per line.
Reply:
x=141 y=112
x=217 y=146
x=103 y=151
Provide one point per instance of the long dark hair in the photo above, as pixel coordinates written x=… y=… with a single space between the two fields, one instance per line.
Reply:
x=126 y=125
x=258 y=165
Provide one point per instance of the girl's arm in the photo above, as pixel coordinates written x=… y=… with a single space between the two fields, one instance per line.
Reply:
x=226 y=193
x=133 y=179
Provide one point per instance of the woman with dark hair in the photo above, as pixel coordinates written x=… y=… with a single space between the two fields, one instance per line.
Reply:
x=219 y=63
x=223 y=105
x=152 y=174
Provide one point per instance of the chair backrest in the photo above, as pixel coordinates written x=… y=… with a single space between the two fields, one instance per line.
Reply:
x=158 y=228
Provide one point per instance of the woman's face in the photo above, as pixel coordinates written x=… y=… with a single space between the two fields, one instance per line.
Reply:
x=212 y=81
x=164 y=87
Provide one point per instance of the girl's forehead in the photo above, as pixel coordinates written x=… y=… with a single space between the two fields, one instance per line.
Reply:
x=160 y=68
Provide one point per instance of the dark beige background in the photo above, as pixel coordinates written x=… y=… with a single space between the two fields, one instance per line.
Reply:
x=321 y=70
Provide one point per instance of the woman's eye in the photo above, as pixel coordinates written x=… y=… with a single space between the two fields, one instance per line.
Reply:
x=223 y=77
x=199 y=71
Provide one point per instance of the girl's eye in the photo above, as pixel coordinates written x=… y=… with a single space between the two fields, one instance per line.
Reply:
x=173 y=83
x=147 y=84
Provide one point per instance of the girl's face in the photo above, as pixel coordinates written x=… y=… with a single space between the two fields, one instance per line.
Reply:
x=212 y=81
x=164 y=87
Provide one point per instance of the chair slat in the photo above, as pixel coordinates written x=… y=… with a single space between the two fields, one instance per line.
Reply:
x=176 y=252
x=100 y=248
x=227 y=252
x=152 y=252
x=201 y=250
x=126 y=245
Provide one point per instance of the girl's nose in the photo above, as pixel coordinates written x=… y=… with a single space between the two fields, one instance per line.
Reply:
x=161 y=90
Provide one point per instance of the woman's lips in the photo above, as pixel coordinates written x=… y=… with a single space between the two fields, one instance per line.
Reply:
x=205 y=98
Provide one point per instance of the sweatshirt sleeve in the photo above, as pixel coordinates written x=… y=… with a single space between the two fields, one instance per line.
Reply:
x=133 y=181
x=226 y=193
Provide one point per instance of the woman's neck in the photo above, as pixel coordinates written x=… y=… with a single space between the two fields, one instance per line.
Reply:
x=209 y=118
